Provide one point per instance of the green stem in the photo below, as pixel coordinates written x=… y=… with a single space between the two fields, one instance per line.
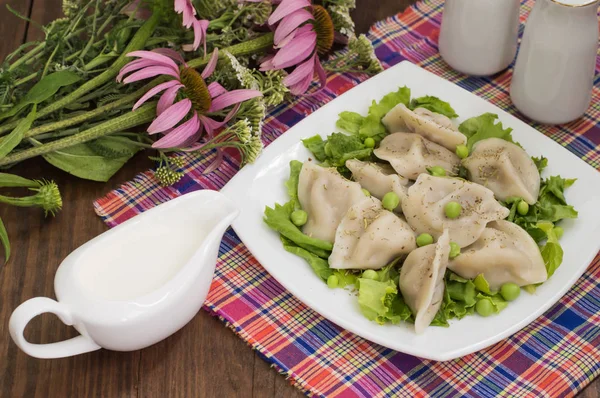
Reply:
x=142 y=115
x=136 y=43
x=25 y=79
x=261 y=43
x=27 y=201
x=25 y=57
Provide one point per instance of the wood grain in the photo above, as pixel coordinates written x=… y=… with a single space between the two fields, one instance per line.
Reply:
x=204 y=359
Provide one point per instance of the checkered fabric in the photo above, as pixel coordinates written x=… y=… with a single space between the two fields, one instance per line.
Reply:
x=555 y=356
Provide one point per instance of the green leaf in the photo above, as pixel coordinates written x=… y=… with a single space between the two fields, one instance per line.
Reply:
x=379 y=301
x=462 y=291
x=498 y=303
x=319 y=265
x=9 y=142
x=316 y=145
x=530 y=288
x=343 y=147
x=81 y=161
x=434 y=104
x=541 y=163
x=12 y=180
x=292 y=183
x=482 y=127
x=552 y=252
x=345 y=277
x=371 y=125
x=278 y=219
x=114 y=147
x=43 y=90
x=350 y=122
x=5 y=241
x=482 y=284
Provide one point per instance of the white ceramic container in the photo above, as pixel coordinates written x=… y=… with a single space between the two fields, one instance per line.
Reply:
x=479 y=37
x=137 y=283
x=554 y=73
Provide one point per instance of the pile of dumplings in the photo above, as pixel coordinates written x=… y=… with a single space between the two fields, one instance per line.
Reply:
x=367 y=236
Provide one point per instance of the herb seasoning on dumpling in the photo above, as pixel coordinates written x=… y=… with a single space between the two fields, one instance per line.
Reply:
x=505 y=168
x=410 y=155
x=370 y=237
x=433 y=126
x=425 y=208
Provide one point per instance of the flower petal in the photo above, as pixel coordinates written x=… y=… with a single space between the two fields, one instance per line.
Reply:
x=174 y=55
x=150 y=71
x=215 y=163
x=285 y=8
x=215 y=89
x=170 y=117
x=300 y=48
x=200 y=27
x=180 y=134
x=289 y=24
x=232 y=97
x=301 y=87
x=301 y=71
x=266 y=63
x=166 y=99
x=133 y=66
x=155 y=90
x=158 y=58
x=211 y=65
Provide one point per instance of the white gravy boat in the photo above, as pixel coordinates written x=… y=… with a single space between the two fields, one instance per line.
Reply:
x=137 y=283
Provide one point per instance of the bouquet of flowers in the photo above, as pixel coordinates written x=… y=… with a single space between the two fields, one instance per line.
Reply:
x=114 y=77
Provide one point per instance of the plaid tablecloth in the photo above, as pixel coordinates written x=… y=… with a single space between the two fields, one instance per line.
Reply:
x=555 y=356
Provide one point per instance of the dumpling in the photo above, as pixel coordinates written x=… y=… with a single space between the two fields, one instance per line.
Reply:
x=410 y=154
x=433 y=126
x=370 y=237
x=424 y=208
x=377 y=178
x=422 y=280
x=505 y=168
x=326 y=196
x=503 y=253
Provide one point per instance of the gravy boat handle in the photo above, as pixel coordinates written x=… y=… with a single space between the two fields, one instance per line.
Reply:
x=39 y=305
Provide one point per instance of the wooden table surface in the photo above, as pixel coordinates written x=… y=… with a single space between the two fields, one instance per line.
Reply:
x=204 y=359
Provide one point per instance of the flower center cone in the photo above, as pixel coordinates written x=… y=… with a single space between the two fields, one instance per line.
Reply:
x=196 y=90
x=323 y=26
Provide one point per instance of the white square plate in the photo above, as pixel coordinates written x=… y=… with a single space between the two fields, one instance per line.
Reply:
x=261 y=184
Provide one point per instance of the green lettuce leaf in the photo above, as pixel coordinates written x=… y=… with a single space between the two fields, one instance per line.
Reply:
x=380 y=302
x=316 y=145
x=434 y=104
x=498 y=303
x=371 y=125
x=345 y=277
x=350 y=122
x=484 y=126
x=292 y=183
x=541 y=163
x=319 y=265
x=341 y=147
x=278 y=219
x=482 y=284
x=552 y=252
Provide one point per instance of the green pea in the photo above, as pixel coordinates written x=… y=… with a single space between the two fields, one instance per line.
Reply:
x=454 y=249
x=452 y=209
x=462 y=151
x=370 y=274
x=299 y=217
x=333 y=281
x=523 y=208
x=327 y=149
x=424 y=240
x=369 y=142
x=484 y=307
x=559 y=232
x=390 y=201
x=367 y=193
x=437 y=171
x=510 y=291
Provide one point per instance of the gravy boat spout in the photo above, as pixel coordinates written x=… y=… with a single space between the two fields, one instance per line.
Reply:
x=137 y=283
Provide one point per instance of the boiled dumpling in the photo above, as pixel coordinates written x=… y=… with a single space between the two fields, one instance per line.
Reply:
x=433 y=126
x=377 y=178
x=422 y=280
x=503 y=253
x=424 y=208
x=369 y=237
x=410 y=154
x=505 y=168
x=326 y=196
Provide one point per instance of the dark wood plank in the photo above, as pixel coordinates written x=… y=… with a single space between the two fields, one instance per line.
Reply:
x=203 y=359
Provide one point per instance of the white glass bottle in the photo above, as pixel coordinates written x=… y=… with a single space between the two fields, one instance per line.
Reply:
x=479 y=37
x=554 y=73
